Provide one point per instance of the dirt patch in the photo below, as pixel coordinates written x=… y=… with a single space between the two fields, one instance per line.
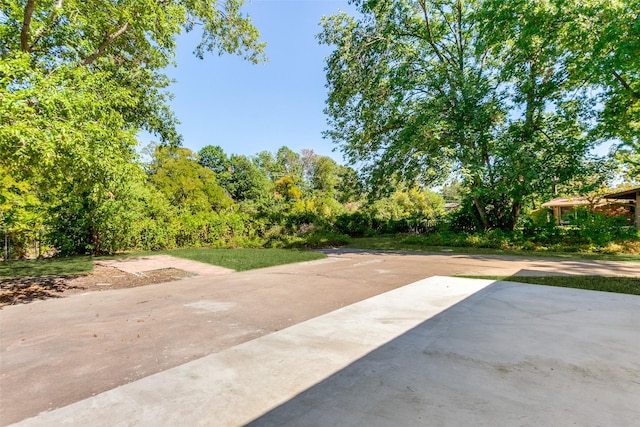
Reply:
x=28 y=289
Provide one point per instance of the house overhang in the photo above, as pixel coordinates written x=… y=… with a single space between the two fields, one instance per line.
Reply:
x=633 y=196
x=566 y=202
x=624 y=195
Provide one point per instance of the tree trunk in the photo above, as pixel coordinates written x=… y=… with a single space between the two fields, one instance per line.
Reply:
x=483 y=215
x=515 y=214
x=26 y=25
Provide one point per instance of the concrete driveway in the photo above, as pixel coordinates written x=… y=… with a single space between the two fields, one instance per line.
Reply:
x=57 y=352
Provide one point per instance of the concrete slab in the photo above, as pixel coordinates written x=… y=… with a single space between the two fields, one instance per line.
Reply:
x=139 y=265
x=441 y=351
x=60 y=351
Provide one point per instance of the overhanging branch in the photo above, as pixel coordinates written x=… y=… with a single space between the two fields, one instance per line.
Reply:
x=635 y=95
x=103 y=46
x=26 y=25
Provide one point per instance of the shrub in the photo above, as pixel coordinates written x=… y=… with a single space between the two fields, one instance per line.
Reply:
x=438 y=239
x=356 y=224
x=537 y=229
x=464 y=219
x=321 y=239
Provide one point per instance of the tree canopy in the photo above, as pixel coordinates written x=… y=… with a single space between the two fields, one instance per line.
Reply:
x=487 y=90
x=80 y=79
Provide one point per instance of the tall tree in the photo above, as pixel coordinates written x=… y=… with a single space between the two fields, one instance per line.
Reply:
x=185 y=183
x=88 y=75
x=544 y=140
x=214 y=158
x=418 y=89
x=410 y=93
x=604 y=42
x=247 y=182
x=79 y=80
x=290 y=163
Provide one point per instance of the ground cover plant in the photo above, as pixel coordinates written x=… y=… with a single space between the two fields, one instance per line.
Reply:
x=237 y=259
x=621 y=285
x=62 y=266
x=240 y=259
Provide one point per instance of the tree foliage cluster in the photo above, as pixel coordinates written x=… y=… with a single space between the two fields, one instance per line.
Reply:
x=508 y=96
x=180 y=198
x=78 y=81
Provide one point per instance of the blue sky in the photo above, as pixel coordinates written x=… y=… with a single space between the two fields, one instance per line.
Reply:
x=247 y=108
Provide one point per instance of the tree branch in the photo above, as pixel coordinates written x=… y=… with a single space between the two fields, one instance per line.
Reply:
x=635 y=95
x=459 y=40
x=26 y=24
x=103 y=46
x=431 y=40
x=51 y=21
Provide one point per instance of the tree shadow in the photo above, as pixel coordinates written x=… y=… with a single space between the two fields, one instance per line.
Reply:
x=507 y=359
x=24 y=290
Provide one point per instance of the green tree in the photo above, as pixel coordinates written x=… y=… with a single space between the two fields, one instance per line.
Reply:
x=290 y=163
x=545 y=138
x=287 y=188
x=605 y=51
x=75 y=71
x=409 y=203
x=350 y=188
x=320 y=173
x=186 y=184
x=410 y=94
x=79 y=80
x=214 y=158
x=266 y=162
x=420 y=89
x=247 y=181
x=21 y=214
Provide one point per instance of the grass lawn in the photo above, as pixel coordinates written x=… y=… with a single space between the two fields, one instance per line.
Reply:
x=396 y=243
x=621 y=285
x=46 y=267
x=237 y=259
x=240 y=259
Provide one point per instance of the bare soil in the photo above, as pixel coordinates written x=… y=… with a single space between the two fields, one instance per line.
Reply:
x=28 y=289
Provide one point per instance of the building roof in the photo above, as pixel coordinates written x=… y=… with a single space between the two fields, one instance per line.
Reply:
x=566 y=201
x=583 y=201
x=625 y=194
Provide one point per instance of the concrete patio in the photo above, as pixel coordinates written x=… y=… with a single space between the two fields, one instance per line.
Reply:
x=440 y=351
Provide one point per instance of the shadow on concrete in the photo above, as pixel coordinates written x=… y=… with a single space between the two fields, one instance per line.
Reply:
x=359 y=393
x=540 y=265
x=488 y=360
x=536 y=273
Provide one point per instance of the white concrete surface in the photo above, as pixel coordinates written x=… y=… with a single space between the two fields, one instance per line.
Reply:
x=441 y=351
x=139 y=265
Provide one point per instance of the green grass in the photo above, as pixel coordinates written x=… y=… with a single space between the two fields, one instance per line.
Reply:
x=397 y=243
x=236 y=259
x=46 y=267
x=239 y=259
x=621 y=285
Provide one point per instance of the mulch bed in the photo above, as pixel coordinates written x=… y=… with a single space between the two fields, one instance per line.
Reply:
x=24 y=290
